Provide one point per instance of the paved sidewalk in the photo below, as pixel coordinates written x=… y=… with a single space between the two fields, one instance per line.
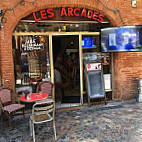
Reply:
x=115 y=122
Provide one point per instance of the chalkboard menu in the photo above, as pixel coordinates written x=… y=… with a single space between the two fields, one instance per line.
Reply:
x=95 y=84
x=95 y=81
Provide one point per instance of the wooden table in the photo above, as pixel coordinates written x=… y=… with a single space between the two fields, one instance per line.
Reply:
x=33 y=97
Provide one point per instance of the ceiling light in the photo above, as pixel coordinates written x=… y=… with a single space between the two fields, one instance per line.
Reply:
x=76 y=25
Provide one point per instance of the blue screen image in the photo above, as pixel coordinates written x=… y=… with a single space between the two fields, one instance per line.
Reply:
x=88 y=42
x=127 y=38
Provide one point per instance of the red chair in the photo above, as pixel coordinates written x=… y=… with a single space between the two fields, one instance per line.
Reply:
x=8 y=107
x=46 y=87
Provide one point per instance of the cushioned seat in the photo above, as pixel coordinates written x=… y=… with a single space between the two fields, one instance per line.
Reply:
x=13 y=107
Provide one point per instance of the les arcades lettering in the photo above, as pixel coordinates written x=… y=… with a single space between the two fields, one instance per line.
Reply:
x=68 y=13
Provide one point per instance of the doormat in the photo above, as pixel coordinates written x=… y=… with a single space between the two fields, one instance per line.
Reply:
x=71 y=99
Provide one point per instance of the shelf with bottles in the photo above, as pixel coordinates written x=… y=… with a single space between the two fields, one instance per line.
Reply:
x=47 y=62
x=47 y=76
x=106 y=63
x=105 y=59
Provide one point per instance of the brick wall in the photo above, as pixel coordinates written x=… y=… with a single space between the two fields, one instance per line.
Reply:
x=127 y=69
x=127 y=66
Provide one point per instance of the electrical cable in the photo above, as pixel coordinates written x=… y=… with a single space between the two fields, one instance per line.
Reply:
x=113 y=10
x=21 y=2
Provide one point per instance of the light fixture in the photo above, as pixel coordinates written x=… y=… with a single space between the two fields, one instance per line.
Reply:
x=1 y=25
x=134 y=3
x=64 y=27
x=11 y=9
x=20 y=2
x=76 y=25
x=1 y=12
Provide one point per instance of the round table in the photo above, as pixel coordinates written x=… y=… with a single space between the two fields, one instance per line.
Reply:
x=33 y=97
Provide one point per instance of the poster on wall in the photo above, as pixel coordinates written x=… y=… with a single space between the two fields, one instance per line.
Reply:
x=107 y=82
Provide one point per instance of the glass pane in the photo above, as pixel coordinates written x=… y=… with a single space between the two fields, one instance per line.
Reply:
x=59 y=27
x=90 y=42
x=31 y=60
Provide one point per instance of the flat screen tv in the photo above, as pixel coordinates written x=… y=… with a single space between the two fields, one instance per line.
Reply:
x=127 y=38
x=88 y=42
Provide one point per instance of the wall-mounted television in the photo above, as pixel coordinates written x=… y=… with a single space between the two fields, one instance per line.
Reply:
x=88 y=42
x=119 y=39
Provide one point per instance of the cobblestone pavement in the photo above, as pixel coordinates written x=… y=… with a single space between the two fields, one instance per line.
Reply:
x=118 y=122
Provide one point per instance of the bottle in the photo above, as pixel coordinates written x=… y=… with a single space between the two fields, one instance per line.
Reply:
x=47 y=59
x=48 y=74
x=26 y=94
x=45 y=76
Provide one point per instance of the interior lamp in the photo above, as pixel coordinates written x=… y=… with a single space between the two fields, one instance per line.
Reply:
x=134 y=3
x=1 y=12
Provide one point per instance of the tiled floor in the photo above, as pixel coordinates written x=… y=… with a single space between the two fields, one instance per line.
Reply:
x=115 y=122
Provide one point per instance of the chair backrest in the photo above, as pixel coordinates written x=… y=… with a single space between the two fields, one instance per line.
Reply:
x=45 y=87
x=5 y=96
x=43 y=107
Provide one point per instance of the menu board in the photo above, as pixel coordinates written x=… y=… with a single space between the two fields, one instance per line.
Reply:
x=95 y=84
x=95 y=81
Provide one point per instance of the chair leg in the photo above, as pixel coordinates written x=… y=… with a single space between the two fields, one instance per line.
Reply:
x=105 y=101
x=89 y=101
x=54 y=127
x=9 y=118
x=33 y=132
x=24 y=114
x=1 y=117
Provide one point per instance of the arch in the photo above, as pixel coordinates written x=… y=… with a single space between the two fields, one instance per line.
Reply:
x=14 y=20
x=6 y=57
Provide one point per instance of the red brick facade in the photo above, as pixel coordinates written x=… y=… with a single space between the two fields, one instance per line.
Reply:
x=127 y=66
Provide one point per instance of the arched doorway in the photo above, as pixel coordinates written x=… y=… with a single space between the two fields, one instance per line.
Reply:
x=20 y=10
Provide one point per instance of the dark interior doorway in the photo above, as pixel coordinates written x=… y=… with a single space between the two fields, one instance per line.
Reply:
x=66 y=68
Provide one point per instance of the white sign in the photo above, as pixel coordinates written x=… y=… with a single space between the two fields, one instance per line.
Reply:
x=107 y=81
x=31 y=44
x=93 y=66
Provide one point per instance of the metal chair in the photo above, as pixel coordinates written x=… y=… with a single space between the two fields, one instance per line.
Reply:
x=42 y=111
x=46 y=87
x=8 y=107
